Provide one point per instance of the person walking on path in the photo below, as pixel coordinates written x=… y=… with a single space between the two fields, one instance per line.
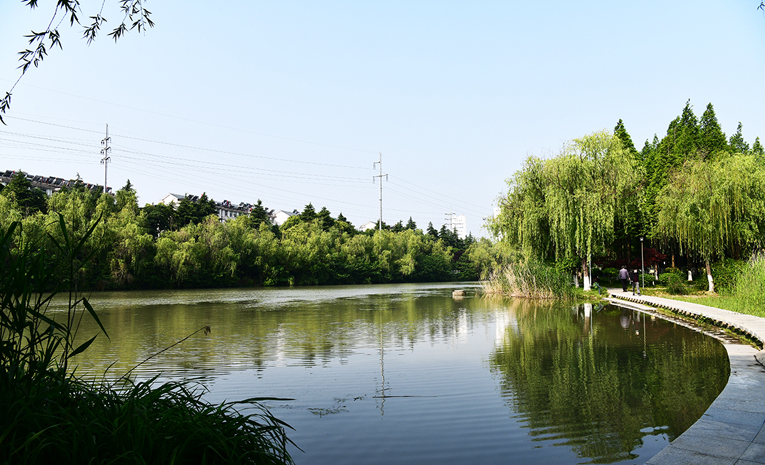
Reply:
x=624 y=275
x=635 y=282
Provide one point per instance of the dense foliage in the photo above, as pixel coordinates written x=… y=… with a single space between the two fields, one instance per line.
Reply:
x=160 y=246
x=695 y=196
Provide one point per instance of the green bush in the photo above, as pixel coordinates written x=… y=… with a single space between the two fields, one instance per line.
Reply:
x=724 y=274
x=676 y=284
x=666 y=277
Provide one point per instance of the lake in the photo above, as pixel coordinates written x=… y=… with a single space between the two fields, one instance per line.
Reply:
x=407 y=374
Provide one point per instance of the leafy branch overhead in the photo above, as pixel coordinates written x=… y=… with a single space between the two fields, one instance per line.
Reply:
x=135 y=17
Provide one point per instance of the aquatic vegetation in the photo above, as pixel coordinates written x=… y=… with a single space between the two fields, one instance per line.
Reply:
x=530 y=279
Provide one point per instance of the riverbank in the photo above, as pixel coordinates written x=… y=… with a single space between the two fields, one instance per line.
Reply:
x=732 y=430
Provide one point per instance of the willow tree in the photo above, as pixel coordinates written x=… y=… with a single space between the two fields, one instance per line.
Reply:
x=568 y=205
x=711 y=209
x=594 y=181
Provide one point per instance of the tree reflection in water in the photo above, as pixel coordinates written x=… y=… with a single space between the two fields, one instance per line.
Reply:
x=599 y=380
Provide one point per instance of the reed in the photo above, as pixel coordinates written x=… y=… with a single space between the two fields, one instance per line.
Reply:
x=528 y=279
x=50 y=415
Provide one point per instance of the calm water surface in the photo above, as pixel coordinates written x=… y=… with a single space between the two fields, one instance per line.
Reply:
x=407 y=374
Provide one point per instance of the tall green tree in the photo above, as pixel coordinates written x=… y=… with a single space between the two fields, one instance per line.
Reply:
x=737 y=142
x=570 y=202
x=711 y=137
x=713 y=208
x=621 y=133
x=257 y=216
x=28 y=199
x=758 y=151
x=126 y=197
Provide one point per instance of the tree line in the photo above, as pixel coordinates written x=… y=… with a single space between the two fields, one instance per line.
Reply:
x=695 y=195
x=166 y=246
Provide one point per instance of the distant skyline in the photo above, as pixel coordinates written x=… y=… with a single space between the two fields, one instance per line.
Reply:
x=292 y=102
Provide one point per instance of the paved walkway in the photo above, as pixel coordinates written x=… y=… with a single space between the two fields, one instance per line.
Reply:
x=732 y=430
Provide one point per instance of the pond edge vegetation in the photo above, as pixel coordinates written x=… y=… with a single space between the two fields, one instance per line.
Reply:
x=52 y=415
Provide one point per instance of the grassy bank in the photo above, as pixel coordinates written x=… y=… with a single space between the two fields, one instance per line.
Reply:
x=746 y=296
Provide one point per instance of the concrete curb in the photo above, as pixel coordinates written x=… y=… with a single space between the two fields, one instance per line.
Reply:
x=731 y=431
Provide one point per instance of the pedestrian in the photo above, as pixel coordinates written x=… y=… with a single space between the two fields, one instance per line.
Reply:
x=635 y=282
x=624 y=276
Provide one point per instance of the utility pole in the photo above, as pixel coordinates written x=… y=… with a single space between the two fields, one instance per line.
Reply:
x=105 y=152
x=373 y=180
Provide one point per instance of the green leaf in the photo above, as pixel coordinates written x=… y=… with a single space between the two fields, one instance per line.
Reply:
x=93 y=314
x=82 y=346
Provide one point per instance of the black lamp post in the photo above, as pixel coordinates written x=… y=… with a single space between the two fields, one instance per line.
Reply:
x=642 y=265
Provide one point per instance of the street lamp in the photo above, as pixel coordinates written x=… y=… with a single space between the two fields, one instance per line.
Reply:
x=642 y=265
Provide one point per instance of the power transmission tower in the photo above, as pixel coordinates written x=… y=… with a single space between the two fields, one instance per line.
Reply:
x=450 y=217
x=373 y=180
x=105 y=152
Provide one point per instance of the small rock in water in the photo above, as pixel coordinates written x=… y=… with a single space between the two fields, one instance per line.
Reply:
x=458 y=293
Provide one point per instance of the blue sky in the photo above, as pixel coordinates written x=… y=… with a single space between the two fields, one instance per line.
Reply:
x=291 y=102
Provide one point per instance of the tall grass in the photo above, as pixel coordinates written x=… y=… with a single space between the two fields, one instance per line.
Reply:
x=749 y=288
x=529 y=279
x=748 y=291
x=49 y=415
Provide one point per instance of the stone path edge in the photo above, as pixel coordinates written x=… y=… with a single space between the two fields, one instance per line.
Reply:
x=732 y=430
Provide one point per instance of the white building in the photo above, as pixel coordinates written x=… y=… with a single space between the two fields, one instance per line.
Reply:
x=368 y=225
x=172 y=199
x=281 y=216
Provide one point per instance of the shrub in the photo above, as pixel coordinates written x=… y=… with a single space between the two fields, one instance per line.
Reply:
x=725 y=272
x=676 y=284
x=666 y=277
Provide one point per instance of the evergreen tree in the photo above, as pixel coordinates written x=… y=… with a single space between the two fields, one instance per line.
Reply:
x=344 y=225
x=449 y=236
x=687 y=139
x=126 y=197
x=737 y=142
x=432 y=231
x=758 y=151
x=621 y=132
x=325 y=219
x=158 y=218
x=309 y=213
x=29 y=200
x=711 y=137
x=258 y=215
x=194 y=211
x=411 y=225
x=205 y=207
x=398 y=227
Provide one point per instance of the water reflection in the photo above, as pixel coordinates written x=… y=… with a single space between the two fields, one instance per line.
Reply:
x=417 y=376
x=600 y=382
